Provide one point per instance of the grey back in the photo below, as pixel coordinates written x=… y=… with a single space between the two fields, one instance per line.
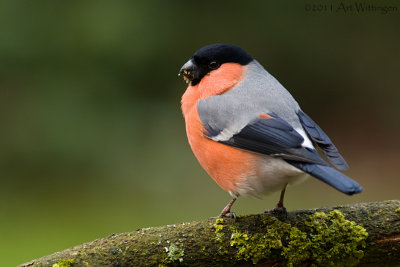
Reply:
x=259 y=92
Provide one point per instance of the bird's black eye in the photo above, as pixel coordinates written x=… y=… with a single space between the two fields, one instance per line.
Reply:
x=213 y=65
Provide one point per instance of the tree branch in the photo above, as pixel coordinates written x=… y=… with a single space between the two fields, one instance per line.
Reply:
x=316 y=236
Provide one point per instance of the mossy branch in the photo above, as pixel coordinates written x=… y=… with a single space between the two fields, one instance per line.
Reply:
x=367 y=234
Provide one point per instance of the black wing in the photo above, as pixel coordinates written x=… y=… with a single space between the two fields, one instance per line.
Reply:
x=271 y=136
x=322 y=140
x=275 y=137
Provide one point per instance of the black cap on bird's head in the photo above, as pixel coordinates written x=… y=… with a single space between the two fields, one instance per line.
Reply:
x=210 y=58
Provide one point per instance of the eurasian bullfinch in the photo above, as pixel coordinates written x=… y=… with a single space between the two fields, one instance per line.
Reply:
x=248 y=132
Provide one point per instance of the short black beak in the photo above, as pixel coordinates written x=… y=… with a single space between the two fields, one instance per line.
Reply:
x=188 y=71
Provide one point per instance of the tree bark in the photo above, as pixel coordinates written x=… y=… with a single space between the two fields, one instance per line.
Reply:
x=246 y=241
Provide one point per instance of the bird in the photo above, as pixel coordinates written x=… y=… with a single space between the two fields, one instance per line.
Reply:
x=249 y=133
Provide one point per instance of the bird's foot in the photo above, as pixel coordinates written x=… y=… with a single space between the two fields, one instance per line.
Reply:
x=278 y=211
x=225 y=215
x=228 y=215
x=226 y=212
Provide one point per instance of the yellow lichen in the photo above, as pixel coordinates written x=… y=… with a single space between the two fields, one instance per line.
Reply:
x=258 y=246
x=219 y=234
x=297 y=249
x=63 y=263
x=219 y=226
x=330 y=240
x=335 y=240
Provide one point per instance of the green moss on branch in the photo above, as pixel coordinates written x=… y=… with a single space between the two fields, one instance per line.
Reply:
x=329 y=240
x=365 y=234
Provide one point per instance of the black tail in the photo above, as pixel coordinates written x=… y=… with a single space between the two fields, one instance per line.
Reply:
x=330 y=176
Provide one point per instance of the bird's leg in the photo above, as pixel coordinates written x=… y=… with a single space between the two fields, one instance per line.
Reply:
x=279 y=208
x=226 y=212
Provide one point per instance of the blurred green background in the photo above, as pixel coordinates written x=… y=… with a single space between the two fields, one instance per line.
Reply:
x=92 y=140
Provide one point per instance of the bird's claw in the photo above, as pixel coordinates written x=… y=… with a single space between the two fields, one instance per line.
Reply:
x=226 y=215
x=277 y=211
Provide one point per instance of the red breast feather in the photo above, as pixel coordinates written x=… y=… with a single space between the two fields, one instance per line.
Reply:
x=225 y=164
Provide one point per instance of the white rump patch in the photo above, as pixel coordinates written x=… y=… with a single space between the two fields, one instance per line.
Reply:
x=307 y=142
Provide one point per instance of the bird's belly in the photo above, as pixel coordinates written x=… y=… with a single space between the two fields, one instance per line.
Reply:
x=228 y=166
x=272 y=175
